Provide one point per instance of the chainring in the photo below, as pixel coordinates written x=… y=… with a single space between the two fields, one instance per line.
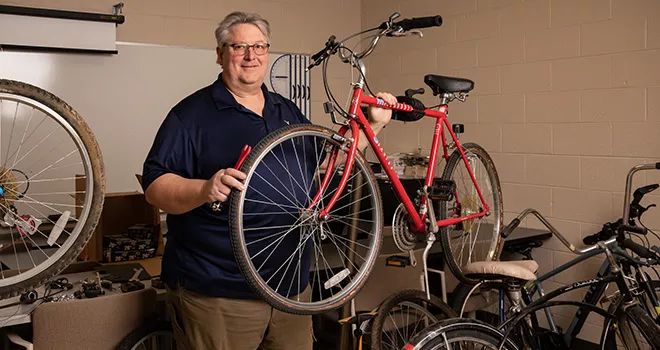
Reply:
x=404 y=239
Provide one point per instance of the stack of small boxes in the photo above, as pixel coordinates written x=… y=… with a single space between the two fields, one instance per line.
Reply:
x=139 y=242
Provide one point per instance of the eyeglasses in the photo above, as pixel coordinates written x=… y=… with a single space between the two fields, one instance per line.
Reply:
x=242 y=49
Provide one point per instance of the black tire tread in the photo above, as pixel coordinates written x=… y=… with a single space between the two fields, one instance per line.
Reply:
x=645 y=323
x=98 y=197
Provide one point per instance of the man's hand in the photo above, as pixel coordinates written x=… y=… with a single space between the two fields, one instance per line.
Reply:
x=218 y=187
x=379 y=117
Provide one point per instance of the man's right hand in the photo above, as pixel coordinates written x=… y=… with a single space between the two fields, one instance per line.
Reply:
x=218 y=187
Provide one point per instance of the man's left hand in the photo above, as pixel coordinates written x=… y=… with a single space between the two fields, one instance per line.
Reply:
x=379 y=117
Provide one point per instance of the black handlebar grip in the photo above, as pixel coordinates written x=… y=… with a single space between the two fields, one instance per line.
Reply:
x=657 y=165
x=638 y=249
x=591 y=239
x=512 y=226
x=420 y=22
x=634 y=229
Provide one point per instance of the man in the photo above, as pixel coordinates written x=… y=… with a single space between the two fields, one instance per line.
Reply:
x=190 y=165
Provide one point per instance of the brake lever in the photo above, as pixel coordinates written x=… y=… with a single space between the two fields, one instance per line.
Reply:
x=401 y=33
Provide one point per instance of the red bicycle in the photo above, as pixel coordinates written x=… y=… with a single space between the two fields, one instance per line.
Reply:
x=307 y=230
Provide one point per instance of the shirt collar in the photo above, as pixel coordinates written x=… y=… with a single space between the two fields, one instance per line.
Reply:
x=224 y=99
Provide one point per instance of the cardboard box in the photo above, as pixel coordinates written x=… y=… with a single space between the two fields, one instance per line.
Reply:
x=121 y=210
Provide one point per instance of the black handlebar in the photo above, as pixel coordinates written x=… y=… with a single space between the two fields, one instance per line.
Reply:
x=419 y=22
x=634 y=229
x=638 y=249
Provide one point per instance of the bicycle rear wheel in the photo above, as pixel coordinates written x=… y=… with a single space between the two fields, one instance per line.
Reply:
x=281 y=244
x=52 y=186
x=475 y=239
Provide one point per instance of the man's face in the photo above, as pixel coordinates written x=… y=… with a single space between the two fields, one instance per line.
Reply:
x=247 y=68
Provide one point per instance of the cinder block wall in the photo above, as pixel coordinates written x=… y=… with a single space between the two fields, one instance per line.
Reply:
x=566 y=101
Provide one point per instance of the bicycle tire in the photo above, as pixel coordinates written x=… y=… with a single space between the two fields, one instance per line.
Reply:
x=79 y=126
x=459 y=329
x=641 y=319
x=138 y=335
x=238 y=241
x=413 y=296
x=497 y=212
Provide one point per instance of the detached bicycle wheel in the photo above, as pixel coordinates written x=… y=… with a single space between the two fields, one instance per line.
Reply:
x=475 y=239
x=292 y=258
x=52 y=186
x=404 y=314
x=459 y=333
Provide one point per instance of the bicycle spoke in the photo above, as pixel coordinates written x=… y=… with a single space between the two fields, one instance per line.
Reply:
x=278 y=180
x=30 y=151
x=19 y=218
x=341 y=251
x=11 y=134
x=279 y=239
x=281 y=206
x=17 y=152
x=351 y=225
x=348 y=247
x=299 y=166
x=45 y=216
x=46 y=180
x=278 y=191
x=266 y=237
x=290 y=257
x=30 y=238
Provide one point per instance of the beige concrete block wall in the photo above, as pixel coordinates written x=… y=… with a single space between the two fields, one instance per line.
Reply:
x=566 y=101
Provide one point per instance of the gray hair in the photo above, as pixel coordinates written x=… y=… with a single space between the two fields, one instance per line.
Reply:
x=222 y=32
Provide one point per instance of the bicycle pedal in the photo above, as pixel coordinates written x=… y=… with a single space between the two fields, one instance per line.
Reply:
x=397 y=261
x=442 y=190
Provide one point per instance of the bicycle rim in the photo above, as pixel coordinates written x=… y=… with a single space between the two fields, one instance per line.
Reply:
x=459 y=334
x=52 y=184
x=290 y=257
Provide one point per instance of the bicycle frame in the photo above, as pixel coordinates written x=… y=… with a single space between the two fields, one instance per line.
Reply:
x=358 y=122
x=597 y=287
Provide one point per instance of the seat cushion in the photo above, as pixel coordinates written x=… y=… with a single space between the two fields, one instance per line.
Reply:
x=524 y=270
x=441 y=84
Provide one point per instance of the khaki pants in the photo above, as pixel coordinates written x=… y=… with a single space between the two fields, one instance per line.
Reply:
x=201 y=322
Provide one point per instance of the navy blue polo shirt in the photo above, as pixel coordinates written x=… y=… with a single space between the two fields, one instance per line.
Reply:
x=202 y=134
